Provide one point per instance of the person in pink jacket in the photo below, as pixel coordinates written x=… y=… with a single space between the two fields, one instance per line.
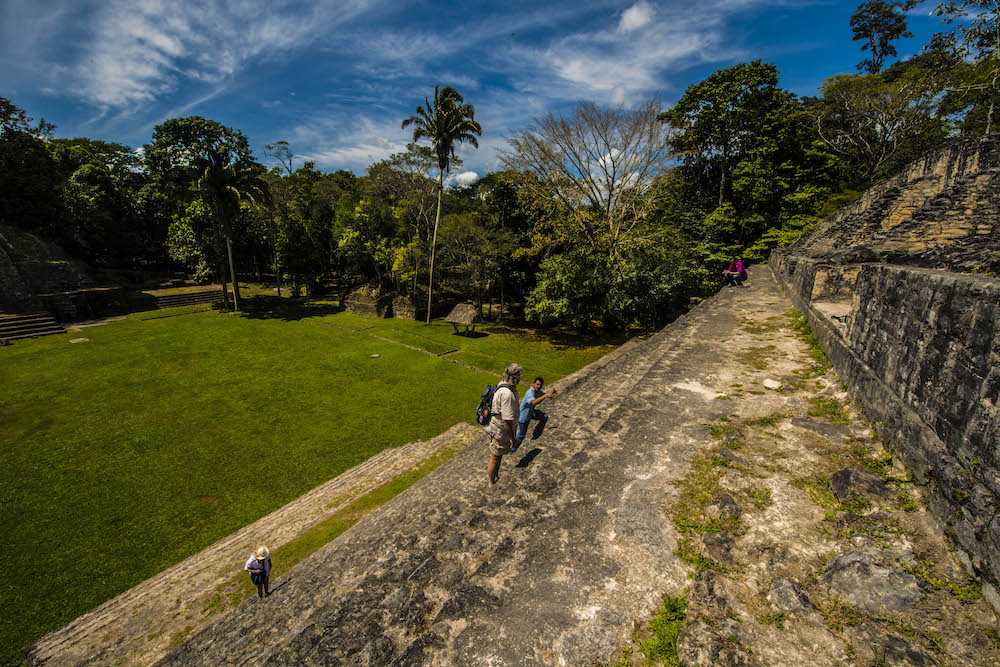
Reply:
x=736 y=273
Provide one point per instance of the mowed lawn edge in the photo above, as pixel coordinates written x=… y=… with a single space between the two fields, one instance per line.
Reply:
x=132 y=451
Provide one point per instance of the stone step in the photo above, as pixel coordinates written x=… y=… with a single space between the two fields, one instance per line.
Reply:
x=33 y=334
x=29 y=325
x=150 y=607
x=174 y=300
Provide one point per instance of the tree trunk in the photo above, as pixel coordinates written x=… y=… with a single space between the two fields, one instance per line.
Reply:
x=993 y=99
x=277 y=272
x=225 y=292
x=232 y=274
x=722 y=182
x=274 y=247
x=500 y=316
x=437 y=218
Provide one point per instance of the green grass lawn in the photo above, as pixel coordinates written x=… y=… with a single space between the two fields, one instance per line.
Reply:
x=130 y=452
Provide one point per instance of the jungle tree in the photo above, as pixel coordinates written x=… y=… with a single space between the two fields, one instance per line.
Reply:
x=879 y=23
x=446 y=122
x=194 y=155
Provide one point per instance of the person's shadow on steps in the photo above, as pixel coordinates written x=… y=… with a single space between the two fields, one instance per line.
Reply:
x=528 y=458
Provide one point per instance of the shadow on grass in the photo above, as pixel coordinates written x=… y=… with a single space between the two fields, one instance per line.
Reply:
x=274 y=308
x=561 y=338
x=470 y=334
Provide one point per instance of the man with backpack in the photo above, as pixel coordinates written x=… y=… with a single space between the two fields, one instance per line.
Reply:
x=503 y=418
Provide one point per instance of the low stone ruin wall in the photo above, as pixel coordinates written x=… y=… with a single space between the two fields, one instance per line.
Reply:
x=85 y=304
x=372 y=303
x=920 y=350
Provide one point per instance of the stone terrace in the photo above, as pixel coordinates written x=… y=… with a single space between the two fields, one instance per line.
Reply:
x=572 y=551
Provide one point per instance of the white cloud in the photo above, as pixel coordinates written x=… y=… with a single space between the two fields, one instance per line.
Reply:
x=333 y=143
x=615 y=65
x=637 y=16
x=466 y=178
x=618 y=95
x=140 y=50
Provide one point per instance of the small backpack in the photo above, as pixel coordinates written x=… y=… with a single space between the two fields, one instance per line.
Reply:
x=485 y=410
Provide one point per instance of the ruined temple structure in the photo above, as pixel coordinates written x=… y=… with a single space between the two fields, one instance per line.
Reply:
x=901 y=289
x=716 y=461
x=374 y=302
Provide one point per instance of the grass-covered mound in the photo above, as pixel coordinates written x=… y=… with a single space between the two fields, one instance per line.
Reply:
x=130 y=452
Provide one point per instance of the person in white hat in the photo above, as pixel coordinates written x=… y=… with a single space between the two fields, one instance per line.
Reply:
x=259 y=567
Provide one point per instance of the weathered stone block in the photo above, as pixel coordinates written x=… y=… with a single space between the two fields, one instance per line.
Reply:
x=859 y=579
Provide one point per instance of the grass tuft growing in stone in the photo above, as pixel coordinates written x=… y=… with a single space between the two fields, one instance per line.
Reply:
x=769 y=421
x=697 y=489
x=659 y=646
x=723 y=429
x=828 y=409
x=761 y=498
x=757 y=357
x=775 y=618
x=821 y=364
x=838 y=615
x=967 y=592
x=818 y=487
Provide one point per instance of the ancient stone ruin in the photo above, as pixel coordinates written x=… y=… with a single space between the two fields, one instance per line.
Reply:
x=901 y=289
x=718 y=461
x=373 y=302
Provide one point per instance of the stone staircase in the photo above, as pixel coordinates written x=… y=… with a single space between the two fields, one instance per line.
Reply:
x=528 y=572
x=187 y=299
x=137 y=626
x=28 y=325
x=940 y=212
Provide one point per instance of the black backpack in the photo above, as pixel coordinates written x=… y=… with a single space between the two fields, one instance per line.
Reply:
x=484 y=412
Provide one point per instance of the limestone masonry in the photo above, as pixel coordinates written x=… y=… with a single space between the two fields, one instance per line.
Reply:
x=901 y=288
x=719 y=461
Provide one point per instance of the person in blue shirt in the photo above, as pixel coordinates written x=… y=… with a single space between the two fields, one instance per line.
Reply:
x=529 y=410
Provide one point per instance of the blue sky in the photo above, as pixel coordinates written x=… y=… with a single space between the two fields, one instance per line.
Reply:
x=335 y=79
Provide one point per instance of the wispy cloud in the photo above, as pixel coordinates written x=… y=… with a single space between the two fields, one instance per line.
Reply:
x=141 y=50
x=332 y=143
x=634 y=56
x=637 y=16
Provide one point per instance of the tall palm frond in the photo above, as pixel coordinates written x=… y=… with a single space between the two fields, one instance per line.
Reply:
x=446 y=122
x=225 y=186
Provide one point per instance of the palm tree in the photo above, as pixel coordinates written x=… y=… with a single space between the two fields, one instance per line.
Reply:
x=225 y=186
x=447 y=122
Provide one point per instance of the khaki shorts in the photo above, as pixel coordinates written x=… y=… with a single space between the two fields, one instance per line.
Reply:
x=498 y=447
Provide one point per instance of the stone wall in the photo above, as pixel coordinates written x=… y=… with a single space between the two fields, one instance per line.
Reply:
x=371 y=302
x=920 y=350
x=15 y=294
x=942 y=211
x=86 y=304
x=899 y=290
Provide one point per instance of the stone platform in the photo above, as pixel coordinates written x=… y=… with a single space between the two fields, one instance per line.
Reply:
x=667 y=468
x=571 y=552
